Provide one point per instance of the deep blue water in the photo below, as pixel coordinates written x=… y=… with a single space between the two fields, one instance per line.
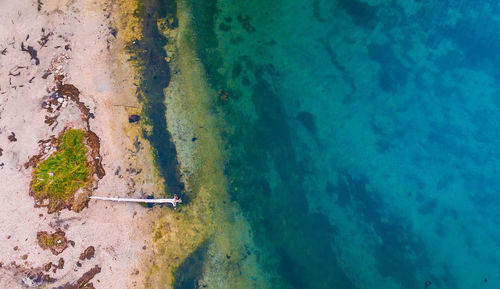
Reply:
x=363 y=137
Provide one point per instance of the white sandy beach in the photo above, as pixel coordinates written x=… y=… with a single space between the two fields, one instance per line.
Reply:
x=80 y=44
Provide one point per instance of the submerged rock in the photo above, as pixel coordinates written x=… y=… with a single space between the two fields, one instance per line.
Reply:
x=133 y=118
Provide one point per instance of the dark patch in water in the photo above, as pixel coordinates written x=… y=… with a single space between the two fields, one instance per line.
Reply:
x=428 y=207
x=341 y=190
x=224 y=27
x=448 y=279
x=316 y=11
x=307 y=119
x=398 y=256
x=290 y=270
x=269 y=138
x=266 y=189
x=237 y=68
x=393 y=73
x=206 y=41
x=241 y=66
x=190 y=271
x=245 y=81
x=383 y=146
x=320 y=12
x=244 y=20
x=479 y=40
x=338 y=64
x=486 y=126
x=361 y=13
x=441 y=229
x=305 y=239
x=445 y=181
x=153 y=80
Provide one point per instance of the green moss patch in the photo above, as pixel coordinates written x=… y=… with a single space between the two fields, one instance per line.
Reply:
x=59 y=177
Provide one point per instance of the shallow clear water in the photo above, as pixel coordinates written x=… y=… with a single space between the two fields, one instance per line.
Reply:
x=363 y=137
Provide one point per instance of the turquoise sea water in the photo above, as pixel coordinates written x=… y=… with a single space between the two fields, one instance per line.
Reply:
x=363 y=137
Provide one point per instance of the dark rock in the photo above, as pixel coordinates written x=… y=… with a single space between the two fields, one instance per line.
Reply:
x=12 y=137
x=47 y=267
x=60 y=263
x=88 y=253
x=133 y=118
x=113 y=31
x=46 y=74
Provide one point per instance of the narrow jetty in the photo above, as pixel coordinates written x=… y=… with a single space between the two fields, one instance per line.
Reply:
x=173 y=201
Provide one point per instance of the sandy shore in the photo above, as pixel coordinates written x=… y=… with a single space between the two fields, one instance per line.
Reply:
x=77 y=39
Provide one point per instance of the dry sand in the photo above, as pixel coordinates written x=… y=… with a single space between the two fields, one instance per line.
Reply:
x=81 y=44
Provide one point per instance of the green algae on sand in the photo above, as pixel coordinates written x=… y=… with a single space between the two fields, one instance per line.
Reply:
x=59 y=177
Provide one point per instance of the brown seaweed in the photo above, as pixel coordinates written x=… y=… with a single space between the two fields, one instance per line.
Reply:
x=83 y=282
x=88 y=253
x=32 y=52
